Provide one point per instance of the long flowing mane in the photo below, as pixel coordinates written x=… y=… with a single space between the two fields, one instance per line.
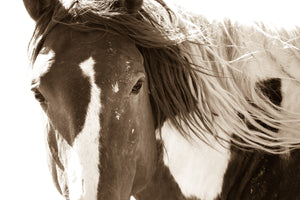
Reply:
x=197 y=70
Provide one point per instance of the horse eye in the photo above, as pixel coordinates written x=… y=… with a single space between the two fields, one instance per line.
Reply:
x=137 y=87
x=38 y=96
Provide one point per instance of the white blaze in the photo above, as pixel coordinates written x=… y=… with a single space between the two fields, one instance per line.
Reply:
x=83 y=170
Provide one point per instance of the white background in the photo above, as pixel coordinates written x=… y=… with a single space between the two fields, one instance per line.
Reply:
x=23 y=170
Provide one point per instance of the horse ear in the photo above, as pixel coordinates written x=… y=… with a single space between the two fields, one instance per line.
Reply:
x=132 y=6
x=35 y=8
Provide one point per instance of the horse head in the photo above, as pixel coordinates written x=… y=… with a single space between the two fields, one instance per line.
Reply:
x=94 y=90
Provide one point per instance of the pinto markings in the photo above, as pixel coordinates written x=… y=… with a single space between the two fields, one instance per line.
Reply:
x=197 y=168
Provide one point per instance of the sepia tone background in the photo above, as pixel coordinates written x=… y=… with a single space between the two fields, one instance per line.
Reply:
x=23 y=169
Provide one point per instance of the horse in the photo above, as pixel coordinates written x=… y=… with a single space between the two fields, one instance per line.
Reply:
x=146 y=101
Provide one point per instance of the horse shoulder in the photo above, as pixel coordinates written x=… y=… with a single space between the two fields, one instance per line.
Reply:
x=197 y=167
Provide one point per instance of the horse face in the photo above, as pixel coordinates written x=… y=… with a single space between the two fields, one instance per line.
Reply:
x=101 y=136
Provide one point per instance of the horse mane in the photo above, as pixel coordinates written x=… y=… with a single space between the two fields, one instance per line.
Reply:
x=194 y=68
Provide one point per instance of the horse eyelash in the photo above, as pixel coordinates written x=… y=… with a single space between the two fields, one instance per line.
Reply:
x=38 y=96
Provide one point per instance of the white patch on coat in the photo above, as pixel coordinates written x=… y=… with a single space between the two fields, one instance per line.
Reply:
x=197 y=168
x=83 y=165
x=128 y=66
x=115 y=87
x=42 y=64
x=118 y=115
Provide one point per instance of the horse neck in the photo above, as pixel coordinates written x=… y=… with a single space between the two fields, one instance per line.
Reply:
x=162 y=186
